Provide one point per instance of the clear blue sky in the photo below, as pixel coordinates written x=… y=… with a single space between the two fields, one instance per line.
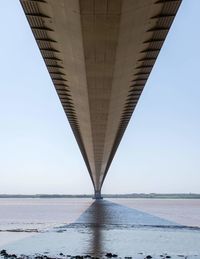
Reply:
x=160 y=151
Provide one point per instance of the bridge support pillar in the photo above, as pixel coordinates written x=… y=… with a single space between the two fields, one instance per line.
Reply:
x=97 y=195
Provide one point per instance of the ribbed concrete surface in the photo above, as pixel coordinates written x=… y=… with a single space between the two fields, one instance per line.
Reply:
x=99 y=54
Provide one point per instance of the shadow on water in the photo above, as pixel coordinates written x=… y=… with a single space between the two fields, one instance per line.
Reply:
x=108 y=214
x=107 y=227
x=104 y=216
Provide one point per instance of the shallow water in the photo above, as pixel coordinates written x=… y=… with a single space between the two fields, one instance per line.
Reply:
x=125 y=227
x=39 y=214
x=182 y=211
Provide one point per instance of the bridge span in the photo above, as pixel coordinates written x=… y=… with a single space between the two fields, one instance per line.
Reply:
x=99 y=54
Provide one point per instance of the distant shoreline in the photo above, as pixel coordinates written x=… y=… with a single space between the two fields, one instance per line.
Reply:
x=131 y=195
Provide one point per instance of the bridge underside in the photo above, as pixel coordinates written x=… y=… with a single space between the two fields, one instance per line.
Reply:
x=99 y=54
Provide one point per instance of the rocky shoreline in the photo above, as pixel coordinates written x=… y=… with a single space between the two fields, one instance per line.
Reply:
x=4 y=254
x=18 y=230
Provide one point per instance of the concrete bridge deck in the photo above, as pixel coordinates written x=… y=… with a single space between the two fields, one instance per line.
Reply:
x=99 y=54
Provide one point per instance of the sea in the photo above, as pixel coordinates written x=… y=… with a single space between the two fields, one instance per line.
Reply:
x=84 y=227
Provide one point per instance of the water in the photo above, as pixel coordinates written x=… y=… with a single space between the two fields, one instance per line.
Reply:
x=21 y=218
x=126 y=227
x=39 y=214
x=182 y=211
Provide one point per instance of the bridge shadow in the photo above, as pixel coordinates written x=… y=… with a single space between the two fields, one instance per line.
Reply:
x=106 y=213
x=104 y=216
x=102 y=228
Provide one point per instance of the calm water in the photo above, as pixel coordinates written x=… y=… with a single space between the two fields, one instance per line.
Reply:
x=82 y=226
x=39 y=213
x=44 y=213
x=182 y=211
x=17 y=216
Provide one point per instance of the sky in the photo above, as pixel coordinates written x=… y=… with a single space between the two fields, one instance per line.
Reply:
x=160 y=151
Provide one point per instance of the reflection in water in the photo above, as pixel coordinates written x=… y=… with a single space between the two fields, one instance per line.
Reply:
x=96 y=242
x=107 y=227
x=93 y=219
x=103 y=217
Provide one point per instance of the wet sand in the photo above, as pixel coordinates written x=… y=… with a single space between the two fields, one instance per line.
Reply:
x=107 y=228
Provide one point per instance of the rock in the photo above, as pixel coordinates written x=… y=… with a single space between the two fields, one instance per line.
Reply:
x=109 y=255
x=61 y=254
x=167 y=256
x=6 y=255
x=3 y=252
x=148 y=257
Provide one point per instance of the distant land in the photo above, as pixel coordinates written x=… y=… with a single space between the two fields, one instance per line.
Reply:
x=131 y=195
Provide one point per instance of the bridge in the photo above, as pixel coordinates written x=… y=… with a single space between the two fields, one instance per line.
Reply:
x=99 y=54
